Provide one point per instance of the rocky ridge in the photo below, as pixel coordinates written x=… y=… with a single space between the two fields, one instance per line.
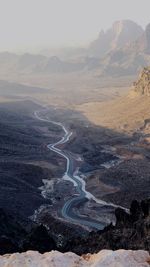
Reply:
x=128 y=57
x=120 y=34
x=142 y=86
x=132 y=231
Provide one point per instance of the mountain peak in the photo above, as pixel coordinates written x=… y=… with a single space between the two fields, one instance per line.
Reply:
x=120 y=34
x=126 y=23
x=125 y=31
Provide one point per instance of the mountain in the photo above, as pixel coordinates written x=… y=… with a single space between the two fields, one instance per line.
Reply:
x=120 y=34
x=122 y=50
x=29 y=63
x=128 y=59
x=124 y=61
x=56 y=65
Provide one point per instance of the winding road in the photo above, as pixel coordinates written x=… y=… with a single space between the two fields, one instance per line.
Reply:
x=68 y=211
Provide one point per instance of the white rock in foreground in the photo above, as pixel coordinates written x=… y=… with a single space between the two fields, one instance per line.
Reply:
x=105 y=258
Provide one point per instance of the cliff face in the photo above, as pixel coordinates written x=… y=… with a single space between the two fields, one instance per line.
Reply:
x=142 y=86
x=104 y=258
x=125 y=31
x=120 y=34
x=124 y=49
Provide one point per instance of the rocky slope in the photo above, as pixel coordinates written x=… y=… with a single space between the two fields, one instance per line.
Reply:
x=142 y=86
x=142 y=44
x=18 y=234
x=104 y=258
x=131 y=232
x=128 y=57
x=125 y=114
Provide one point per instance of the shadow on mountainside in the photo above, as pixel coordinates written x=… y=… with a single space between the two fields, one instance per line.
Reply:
x=113 y=158
x=23 y=150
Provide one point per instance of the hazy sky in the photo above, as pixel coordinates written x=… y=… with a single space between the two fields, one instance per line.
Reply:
x=25 y=23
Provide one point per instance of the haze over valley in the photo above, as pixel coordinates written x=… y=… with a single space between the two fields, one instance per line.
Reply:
x=75 y=135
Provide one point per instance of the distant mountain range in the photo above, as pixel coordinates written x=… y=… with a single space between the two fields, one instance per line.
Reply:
x=124 y=49
x=29 y=63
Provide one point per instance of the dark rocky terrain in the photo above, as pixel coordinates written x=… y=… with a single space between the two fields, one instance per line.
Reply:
x=129 y=175
x=18 y=234
x=24 y=158
x=128 y=178
x=131 y=178
x=132 y=231
x=25 y=162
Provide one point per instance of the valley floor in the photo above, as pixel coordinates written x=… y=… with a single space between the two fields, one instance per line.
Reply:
x=113 y=159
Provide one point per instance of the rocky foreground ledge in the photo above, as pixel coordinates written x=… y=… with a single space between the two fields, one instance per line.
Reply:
x=105 y=258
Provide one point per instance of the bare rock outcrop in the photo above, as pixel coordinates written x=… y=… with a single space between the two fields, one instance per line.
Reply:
x=142 y=86
x=121 y=258
x=120 y=34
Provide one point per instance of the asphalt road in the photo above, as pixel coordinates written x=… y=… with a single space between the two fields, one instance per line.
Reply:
x=68 y=210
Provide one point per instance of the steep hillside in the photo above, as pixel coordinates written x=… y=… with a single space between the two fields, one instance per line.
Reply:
x=126 y=113
x=126 y=53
